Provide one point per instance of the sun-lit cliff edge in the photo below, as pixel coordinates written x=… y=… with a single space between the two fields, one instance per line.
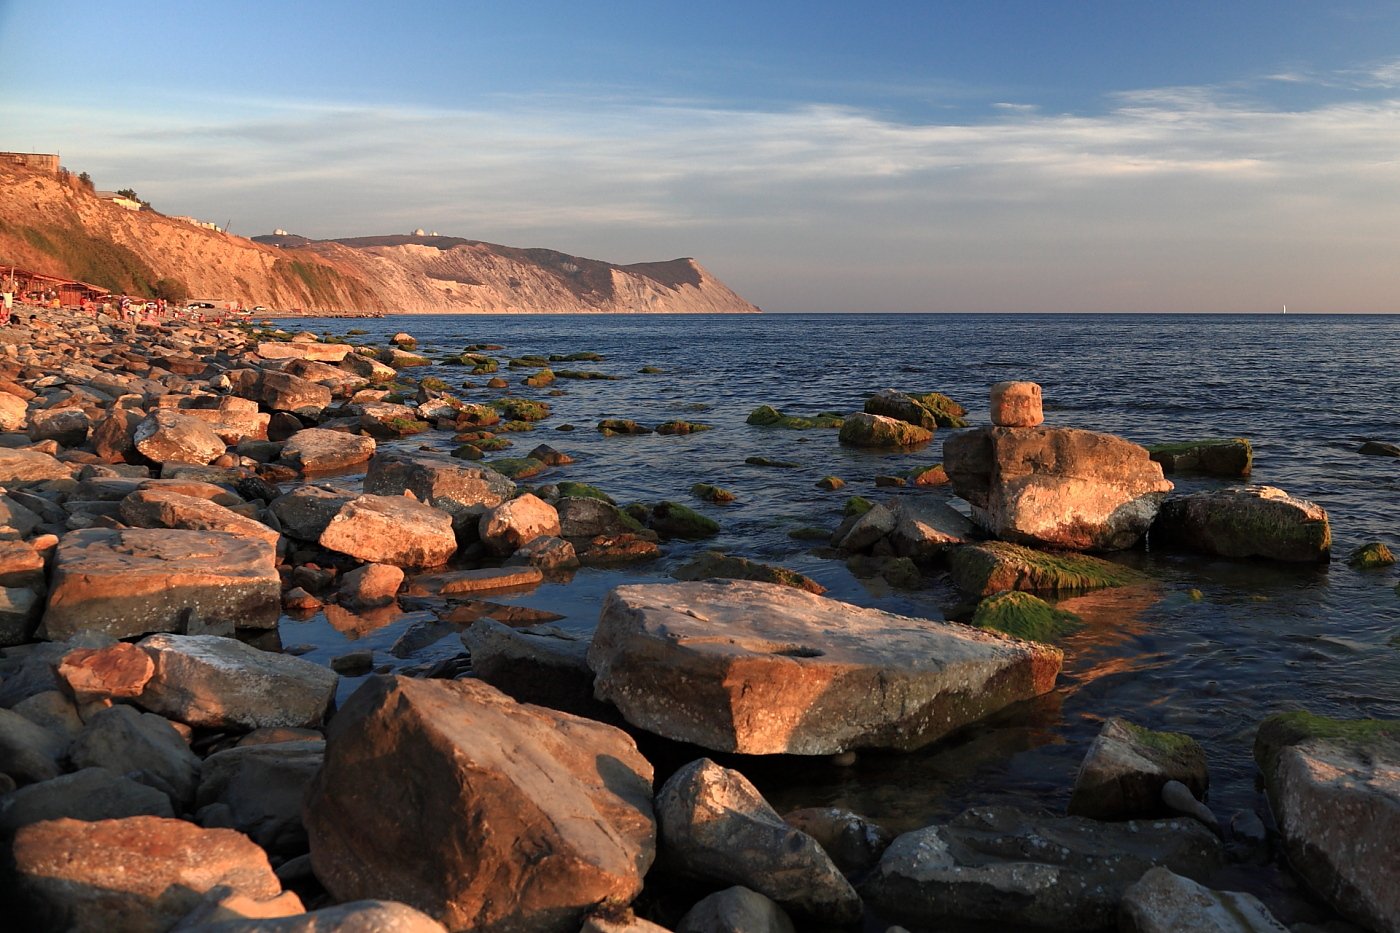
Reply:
x=57 y=226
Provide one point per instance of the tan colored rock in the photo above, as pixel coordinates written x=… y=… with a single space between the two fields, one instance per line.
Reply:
x=483 y=812
x=167 y=435
x=21 y=467
x=138 y=580
x=220 y=683
x=483 y=580
x=282 y=391
x=391 y=530
x=165 y=508
x=355 y=917
x=1056 y=487
x=761 y=668
x=142 y=873
x=67 y=426
x=318 y=449
x=513 y=524
x=14 y=413
x=371 y=585
x=1017 y=405
x=234 y=419
x=116 y=671
x=321 y=352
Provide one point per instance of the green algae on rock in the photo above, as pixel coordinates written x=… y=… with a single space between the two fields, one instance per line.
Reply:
x=572 y=489
x=716 y=494
x=1022 y=615
x=857 y=505
x=673 y=520
x=683 y=427
x=1227 y=457
x=930 y=410
x=518 y=467
x=718 y=565
x=521 y=409
x=610 y=427
x=768 y=416
x=1370 y=556
x=770 y=462
x=992 y=566
x=830 y=483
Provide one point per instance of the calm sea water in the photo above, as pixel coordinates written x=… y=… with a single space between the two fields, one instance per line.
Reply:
x=1306 y=390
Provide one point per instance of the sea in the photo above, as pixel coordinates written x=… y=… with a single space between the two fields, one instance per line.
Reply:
x=1210 y=651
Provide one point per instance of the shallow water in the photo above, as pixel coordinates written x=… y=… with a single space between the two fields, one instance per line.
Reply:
x=1306 y=390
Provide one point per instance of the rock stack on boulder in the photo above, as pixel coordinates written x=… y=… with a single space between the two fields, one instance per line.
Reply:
x=1053 y=487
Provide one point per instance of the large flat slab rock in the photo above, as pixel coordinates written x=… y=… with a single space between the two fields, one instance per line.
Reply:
x=463 y=491
x=391 y=530
x=760 y=668
x=132 y=581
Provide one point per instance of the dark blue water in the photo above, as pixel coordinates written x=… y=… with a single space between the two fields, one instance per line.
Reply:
x=1306 y=390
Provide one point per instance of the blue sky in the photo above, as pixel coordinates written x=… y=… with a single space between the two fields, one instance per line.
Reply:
x=970 y=156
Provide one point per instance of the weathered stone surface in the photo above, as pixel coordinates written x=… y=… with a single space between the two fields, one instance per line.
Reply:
x=14 y=413
x=760 y=668
x=167 y=435
x=68 y=426
x=120 y=670
x=1017 y=405
x=89 y=795
x=541 y=664
x=716 y=826
x=305 y=512
x=370 y=585
x=16 y=521
x=22 y=467
x=457 y=488
x=165 y=508
x=114 y=436
x=1164 y=902
x=506 y=527
x=549 y=554
x=354 y=917
x=138 y=580
x=1124 y=771
x=1232 y=457
x=873 y=526
x=735 y=910
x=482 y=580
x=20 y=609
x=391 y=530
x=588 y=517
x=1334 y=787
x=142 y=873
x=998 y=866
x=1247 y=521
x=124 y=740
x=258 y=789
x=1056 y=487
x=28 y=752
x=300 y=350
x=315 y=450
x=995 y=566
x=925 y=528
x=282 y=392
x=854 y=843
x=866 y=430
x=234 y=419
x=485 y=813
x=208 y=680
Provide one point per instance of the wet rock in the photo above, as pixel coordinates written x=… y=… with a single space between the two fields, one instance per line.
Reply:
x=315 y=450
x=207 y=680
x=485 y=579
x=164 y=508
x=994 y=566
x=759 y=668
x=1232 y=457
x=139 y=873
x=138 y=580
x=170 y=436
x=716 y=826
x=371 y=585
x=932 y=410
x=391 y=530
x=1246 y=521
x=673 y=520
x=854 y=843
x=506 y=527
x=1164 y=902
x=551 y=555
x=459 y=489
x=589 y=516
x=1334 y=787
x=609 y=550
x=1177 y=798
x=258 y=789
x=768 y=416
x=1022 y=615
x=736 y=910
x=1126 y=766
x=1017 y=405
x=1370 y=556
x=1056 y=487
x=89 y=795
x=1380 y=449
x=865 y=430
x=872 y=526
x=124 y=740
x=997 y=865
x=483 y=812
x=714 y=565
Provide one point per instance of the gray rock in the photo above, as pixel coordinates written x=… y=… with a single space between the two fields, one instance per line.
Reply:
x=874 y=525
x=854 y=843
x=925 y=527
x=716 y=826
x=28 y=752
x=541 y=664
x=1164 y=902
x=124 y=740
x=168 y=435
x=1123 y=773
x=1246 y=521
x=53 y=710
x=1177 y=798
x=735 y=910
x=89 y=795
x=305 y=512
x=318 y=450
x=586 y=517
x=457 y=488
x=261 y=788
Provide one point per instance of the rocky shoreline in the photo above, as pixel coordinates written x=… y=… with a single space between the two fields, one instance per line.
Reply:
x=167 y=764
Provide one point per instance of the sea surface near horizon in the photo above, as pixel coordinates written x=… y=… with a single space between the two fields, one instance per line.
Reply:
x=1220 y=645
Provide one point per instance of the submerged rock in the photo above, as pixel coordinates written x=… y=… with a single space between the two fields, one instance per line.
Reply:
x=759 y=668
x=1247 y=521
x=1370 y=556
x=1231 y=457
x=1022 y=615
x=1123 y=774
x=994 y=566
x=713 y=565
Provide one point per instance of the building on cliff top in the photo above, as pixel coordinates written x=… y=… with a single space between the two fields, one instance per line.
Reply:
x=38 y=161
x=119 y=200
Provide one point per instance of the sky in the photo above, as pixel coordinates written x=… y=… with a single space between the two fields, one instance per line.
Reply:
x=972 y=156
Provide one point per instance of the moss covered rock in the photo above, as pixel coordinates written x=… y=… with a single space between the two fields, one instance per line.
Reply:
x=1370 y=556
x=582 y=356
x=1022 y=615
x=930 y=410
x=830 y=483
x=586 y=374
x=992 y=566
x=1228 y=457
x=1123 y=774
x=717 y=565
x=715 y=494
x=522 y=409
x=539 y=380
x=584 y=490
x=610 y=427
x=768 y=416
x=683 y=427
x=866 y=430
x=1246 y=521
x=673 y=520
x=518 y=467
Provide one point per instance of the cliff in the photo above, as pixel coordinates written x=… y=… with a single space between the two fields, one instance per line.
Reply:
x=56 y=226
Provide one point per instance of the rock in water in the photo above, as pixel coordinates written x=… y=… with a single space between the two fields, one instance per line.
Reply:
x=1123 y=773
x=997 y=865
x=760 y=668
x=866 y=430
x=996 y=566
x=1232 y=457
x=1334 y=787
x=1056 y=487
x=1247 y=521
x=1164 y=902
x=485 y=813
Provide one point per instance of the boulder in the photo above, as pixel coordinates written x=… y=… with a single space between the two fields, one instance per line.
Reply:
x=67 y=426
x=507 y=527
x=132 y=581
x=168 y=436
x=854 y=843
x=714 y=565
x=866 y=430
x=588 y=517
x=1017 y=405
x=89 y=795
x=1162 y=901
x=735 y=910
x=305 y=512
x=996 y=566
x=925 y=528
x=314 y=450
x=23 y=467
x=874 y=525
x=282 y=392
x=1334 y=788
x=903 y=407
x=444 y=482
x=1022 y=615
x=141 y=873
x=997 y=865
x=391 y=530
x=165 y=508
x=14 y=413
x=549 y=554
x=298 y=350
x=370 y=585
x=20 y=609
x=1126 y=767
x=716 y=826
x=234 y=419
x=222 y=683
x=258 y=789
x=114 y=436
x=1232 y=457
x=124 y=740
x=1056 y=487
x=541 y=664
x=121 y=670
x=29 y=752
x=1246 y=521
x=760 y=668
x=483 y=812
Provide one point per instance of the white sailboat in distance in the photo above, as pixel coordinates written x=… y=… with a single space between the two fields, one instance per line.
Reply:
x=1285 y=310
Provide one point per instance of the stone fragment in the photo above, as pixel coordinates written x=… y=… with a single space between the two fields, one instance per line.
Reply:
x=1164 y=902
x=486 y=813
x=391 y=530
x=854 y=843
x=1126 y=766
x=716 y=826
x=1247 y=521
x=1232 y=457
x=588 y=517
x=68 y=426
x=123 y=740
x=550 y=555
x=220 y=683
x=314 y=450
x=735 y=910
x=141 y=873
x=20 y=609
x=14 y=413
x=114 y=436
x=866 y=530
x=305 y=512
x=165 y=508
x=28 y=752
x=483 y=580
x=167 y=435
x=116 y=671
x=760 y=668
x=303 y=350
x=506 y=527
x=1017 y=405
x=925 y=528
x=133 y=581
x=283 y=392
